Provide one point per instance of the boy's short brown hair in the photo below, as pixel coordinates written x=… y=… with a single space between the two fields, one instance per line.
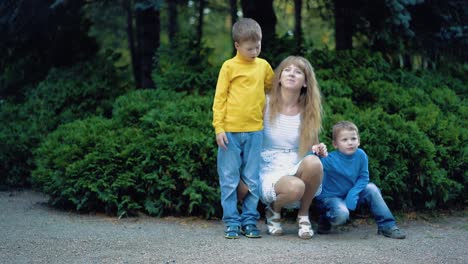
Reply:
x=246 y=29
x=343 y=125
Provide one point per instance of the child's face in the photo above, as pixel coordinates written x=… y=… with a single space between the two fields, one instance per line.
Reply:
x=347 y=142
x=292 y=77
x=249 y=49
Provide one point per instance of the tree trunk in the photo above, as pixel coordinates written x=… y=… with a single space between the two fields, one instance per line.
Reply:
x=173 y=26
x=148 y=29
x=234 y=18
x=127 y=4
x=233 y=9
x=343 y=25
x=297 y=25
x=201 y=8
x=262 y=11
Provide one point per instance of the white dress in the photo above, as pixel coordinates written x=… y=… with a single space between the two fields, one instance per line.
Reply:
x=280 y=153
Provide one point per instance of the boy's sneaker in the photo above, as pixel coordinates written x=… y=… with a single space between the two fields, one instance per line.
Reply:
x=251 y=231
x=392 y=232
x=231 y=232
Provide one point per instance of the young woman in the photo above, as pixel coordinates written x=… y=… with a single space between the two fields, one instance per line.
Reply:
x=290 y=175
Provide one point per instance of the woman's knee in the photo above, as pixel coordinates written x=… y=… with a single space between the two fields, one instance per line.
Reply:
x=292 y=187
x=311 y=169
x=297 y=188
x=312 y=162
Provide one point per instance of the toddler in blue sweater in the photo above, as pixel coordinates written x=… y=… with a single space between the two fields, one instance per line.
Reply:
x=346 y=185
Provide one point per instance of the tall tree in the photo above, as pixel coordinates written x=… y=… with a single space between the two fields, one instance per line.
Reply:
x=385 y=24
x=173 y=23
x=148 y=40
x=39 y=35
x=143 y=30
x=201 y=10
x=128 y=7
x=233 y=11
x=234 y=17
x=440 y=29
x=343 y=24
x=263 y=12
x=297 y=25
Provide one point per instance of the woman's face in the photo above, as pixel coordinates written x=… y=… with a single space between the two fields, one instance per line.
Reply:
x=292 y=77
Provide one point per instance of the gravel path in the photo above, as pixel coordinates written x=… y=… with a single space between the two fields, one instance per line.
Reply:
x=32 y=232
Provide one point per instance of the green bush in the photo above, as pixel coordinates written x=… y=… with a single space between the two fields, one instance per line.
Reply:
x=65 y=95
x=413 y=126
x=129 y=109
x=349 y=64
x=164 y=164
x=184 y=66
x=16 y=141
x=157 y=153
x=92 y=165
x=405 y=158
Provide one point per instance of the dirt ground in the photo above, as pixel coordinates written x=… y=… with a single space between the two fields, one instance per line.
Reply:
x=32 y=232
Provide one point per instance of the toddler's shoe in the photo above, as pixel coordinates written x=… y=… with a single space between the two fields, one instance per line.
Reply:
x=392 y=232
x=251 y=231
x=231 y=232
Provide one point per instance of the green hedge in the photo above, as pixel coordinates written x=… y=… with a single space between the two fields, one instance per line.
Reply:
x=153 y=155
x=184 y=66
x=157 y=152
x=66 y=94
x=413 y=126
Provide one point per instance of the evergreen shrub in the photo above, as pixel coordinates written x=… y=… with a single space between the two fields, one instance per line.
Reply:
x=184 y=66
x=91 y=165
x=158 y=156
x=65 y=95
x=157 y=152
x=412 y=124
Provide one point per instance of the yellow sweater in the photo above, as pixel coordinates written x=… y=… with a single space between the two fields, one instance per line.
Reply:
x=240 y=95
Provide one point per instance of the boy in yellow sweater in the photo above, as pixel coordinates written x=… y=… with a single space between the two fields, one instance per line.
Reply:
x=238 y=122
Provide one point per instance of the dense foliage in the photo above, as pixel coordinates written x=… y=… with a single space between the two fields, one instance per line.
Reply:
x=153 y=155
x=157 y=153
x=65 y=95
x=184 y=66
x=93 y=145
x=38 y=36
x=413 y=126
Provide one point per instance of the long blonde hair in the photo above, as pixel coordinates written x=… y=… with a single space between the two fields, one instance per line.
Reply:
x=310 y=102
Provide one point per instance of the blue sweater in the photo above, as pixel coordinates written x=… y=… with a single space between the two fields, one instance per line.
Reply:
x=345 y=176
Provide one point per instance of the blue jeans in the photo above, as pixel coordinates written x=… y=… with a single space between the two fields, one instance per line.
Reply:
x=333 y=209
x=241 y=160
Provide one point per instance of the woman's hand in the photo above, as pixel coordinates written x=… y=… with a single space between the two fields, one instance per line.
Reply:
x=320 y=150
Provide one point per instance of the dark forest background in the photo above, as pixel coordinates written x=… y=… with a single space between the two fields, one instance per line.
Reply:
x=106 y=105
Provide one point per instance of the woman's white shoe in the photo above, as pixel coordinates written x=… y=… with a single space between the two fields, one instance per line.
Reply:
x=305 y=228
x=273 y=221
